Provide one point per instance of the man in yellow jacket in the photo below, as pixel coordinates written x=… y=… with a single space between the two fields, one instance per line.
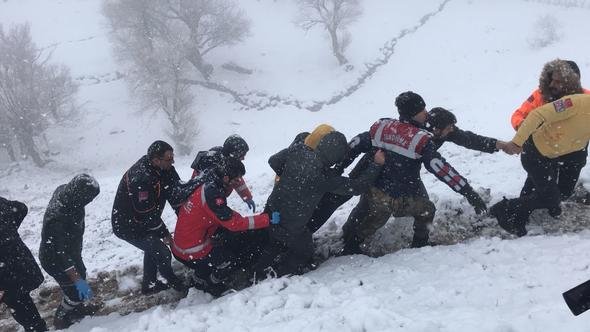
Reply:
x=547 y=138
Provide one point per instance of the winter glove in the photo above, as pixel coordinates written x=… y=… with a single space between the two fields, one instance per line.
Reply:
x=474 y=200
x=84 y=291
x=275 y=218
x=251 y=204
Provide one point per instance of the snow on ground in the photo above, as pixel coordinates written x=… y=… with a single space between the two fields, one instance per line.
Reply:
x=474 y=57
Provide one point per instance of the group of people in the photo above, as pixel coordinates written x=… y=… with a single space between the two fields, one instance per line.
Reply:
x=229 y=251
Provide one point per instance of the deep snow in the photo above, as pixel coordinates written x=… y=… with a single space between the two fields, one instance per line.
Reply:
x=474 y=57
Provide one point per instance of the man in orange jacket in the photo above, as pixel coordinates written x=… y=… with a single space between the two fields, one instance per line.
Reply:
x=201 y=217
x=558 y=78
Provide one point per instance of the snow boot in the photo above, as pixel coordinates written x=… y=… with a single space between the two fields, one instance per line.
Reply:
x=86 y=309
x=215 y=286
x=153 y=287
x=62 y=318
x=507 y=215
x=179 y=287
x=419 y=241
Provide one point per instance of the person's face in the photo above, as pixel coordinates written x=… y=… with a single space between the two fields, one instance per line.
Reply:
x=557 y=85
x=165 y=162
x=421 y=117
x=442 y=133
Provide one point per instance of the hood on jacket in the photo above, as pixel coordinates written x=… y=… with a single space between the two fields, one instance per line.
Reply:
x=80 y=191
x=332 y=148
x=317 y=134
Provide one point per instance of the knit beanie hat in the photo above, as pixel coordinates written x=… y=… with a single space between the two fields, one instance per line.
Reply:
x=409 y=104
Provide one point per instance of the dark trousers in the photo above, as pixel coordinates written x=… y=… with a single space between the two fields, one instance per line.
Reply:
x=24 y=310
x=568 y=169
x=326 y=207
x=285 y=252
x=376 y=207
x=543 y=172
x=70 y=292
x=156 y=258
x=221 y=262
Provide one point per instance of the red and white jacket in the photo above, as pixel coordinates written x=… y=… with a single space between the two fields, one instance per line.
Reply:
x=199 y=218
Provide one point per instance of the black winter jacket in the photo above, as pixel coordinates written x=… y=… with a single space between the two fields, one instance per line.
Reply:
x=401 y=174
x=142 y=195
x=18 y=270
x=63 y=226
x=305 y=178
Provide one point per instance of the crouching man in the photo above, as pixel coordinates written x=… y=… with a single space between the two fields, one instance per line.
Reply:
x=203 y=216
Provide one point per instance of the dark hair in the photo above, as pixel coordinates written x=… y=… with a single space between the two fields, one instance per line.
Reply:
x=440 y=118
x=158 y=149
x=409 y=104
x=235 y=146
x=571 y=79
x=234 y=168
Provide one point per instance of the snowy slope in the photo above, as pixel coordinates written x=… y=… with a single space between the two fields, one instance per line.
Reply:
x=473 y=57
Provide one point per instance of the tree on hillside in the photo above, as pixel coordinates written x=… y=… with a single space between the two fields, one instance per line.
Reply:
x=334 y=16
x=33 y=94
x=163 y=43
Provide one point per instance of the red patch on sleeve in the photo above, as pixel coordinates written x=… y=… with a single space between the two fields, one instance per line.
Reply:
x=219 y=201
x=568 y=103
x=142 y=196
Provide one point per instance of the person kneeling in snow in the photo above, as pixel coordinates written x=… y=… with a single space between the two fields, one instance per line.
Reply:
x=201 y=218
x=60 y=251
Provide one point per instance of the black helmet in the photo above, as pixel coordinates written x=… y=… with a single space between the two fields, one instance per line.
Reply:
x=440 y=118
x=235 y=146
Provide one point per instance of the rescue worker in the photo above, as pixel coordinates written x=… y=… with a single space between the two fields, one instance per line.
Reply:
x=305 y=176
x=233 y=147
x=558 y=78
x=136 y=217
x=19 y=273
x=199 y=219
x=399 y=190
x=547 y=139
x=60 y=251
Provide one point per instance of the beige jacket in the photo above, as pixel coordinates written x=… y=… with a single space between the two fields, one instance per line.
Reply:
x=558 y=128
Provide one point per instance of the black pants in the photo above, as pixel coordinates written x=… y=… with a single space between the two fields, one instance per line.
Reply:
x=324 y=210
x=67 y=286
x=220 y=261
x=24 y=310
x=568 y=169
x=543 y=172
x=156 y=258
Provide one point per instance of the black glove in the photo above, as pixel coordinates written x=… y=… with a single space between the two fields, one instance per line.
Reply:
x=474 y=200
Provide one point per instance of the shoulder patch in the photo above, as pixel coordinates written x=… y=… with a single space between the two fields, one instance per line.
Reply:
x=562 y=105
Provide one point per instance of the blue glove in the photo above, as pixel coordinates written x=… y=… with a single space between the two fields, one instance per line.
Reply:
x=84 y=291
x=251 y=204
x=275 y=218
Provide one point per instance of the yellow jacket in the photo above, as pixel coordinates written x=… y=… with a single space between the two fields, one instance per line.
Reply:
x=558 y=128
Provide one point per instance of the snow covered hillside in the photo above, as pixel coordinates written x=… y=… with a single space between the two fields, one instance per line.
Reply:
x=480 y=59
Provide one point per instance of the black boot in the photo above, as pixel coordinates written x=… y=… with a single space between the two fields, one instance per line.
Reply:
x=179 y=286
x=215 y=286
x=420 y=240
x=509 y=218
x=63 y=318
x=153 y=287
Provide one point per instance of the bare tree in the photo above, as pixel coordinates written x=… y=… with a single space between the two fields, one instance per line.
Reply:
x=334 y=16
x=33 y=93
x=163 y=44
